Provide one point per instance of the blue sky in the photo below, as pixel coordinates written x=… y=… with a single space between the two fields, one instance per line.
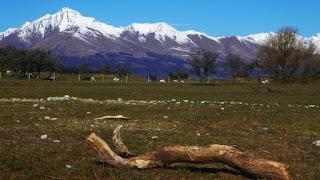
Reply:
x=215 y=17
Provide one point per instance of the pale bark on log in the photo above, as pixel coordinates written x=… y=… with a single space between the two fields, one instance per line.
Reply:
x=228 y=155
x=121 y=148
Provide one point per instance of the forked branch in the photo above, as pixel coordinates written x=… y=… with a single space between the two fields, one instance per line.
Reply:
x=228 y=155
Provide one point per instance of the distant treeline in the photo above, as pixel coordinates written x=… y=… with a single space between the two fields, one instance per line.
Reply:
x=24 y=62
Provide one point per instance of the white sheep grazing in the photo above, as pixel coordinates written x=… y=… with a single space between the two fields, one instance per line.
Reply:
x=265 y=82
x=116 y=79
x=182 y=81
x=175 y=81
x=162 y=81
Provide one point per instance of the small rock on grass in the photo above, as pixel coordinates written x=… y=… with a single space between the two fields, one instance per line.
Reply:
x=316 y=143
x=154 y=137
x=68 y=166
x=43 y=137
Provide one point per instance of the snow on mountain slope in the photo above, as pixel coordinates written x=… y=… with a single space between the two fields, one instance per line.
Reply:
x=259 y=38
x=66 y=20
x=316 y=40
x=69 y=20
x=163 y=31
x=7 y=32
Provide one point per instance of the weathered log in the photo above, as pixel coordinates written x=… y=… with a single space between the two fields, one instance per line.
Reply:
x=228 y=155
x=121 y=148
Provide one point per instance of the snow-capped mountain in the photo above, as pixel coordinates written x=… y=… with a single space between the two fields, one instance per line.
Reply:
x=148 y=48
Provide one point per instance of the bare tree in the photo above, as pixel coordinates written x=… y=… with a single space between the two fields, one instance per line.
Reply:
x=122 y=71
x=84 y=68
x=283 y=54
x=204 y=64
x=310 y=67
x=237 y=67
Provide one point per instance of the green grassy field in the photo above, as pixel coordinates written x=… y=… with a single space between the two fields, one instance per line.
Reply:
x=280 y=126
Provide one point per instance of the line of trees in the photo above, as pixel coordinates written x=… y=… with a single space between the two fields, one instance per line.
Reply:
x=204 y=65
x=285 y=56
x=121 y=70
x=24 y=62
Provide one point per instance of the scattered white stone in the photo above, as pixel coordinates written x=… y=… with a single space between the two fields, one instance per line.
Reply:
x=198 y=134
x=18 y=121
x=43 y=137
x=42 y=108
x=88 y=112
x=35 y=105
x=154 y=137
x=119 y=100
x=186 y=101
x=36 y=124
x=56 y=141
x=165 y=117
x=47 y=118
x=316 y=143
x=53 y=119
x=68 y=166
x=265 y=129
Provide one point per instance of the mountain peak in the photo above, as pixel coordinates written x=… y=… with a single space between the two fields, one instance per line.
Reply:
x=67 y=10
x=145 y=28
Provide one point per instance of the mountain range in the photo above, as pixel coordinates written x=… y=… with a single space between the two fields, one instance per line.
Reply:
x=146 y=48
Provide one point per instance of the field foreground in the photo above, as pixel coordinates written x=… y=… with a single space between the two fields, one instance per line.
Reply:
x=279 y=126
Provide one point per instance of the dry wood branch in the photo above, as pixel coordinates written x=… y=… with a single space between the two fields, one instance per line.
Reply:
x=121 y=148
x=231 y=156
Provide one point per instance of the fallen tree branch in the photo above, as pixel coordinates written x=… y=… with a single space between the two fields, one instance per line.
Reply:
x=121 y=149
x=228 y=155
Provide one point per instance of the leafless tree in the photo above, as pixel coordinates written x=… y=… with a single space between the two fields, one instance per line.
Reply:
x=284 y=54
x=204 y=64
x=237 y=67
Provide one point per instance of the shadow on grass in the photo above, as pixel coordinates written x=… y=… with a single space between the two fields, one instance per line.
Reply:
x=212 y=171
x=195 y=170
